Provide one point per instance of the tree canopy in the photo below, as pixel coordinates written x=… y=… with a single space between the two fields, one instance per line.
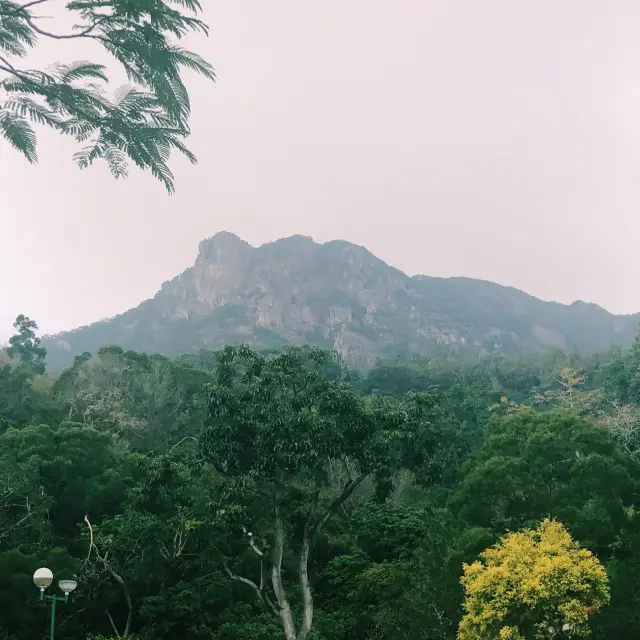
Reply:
x=283 y=433
x=533 y=584
x=277 y=495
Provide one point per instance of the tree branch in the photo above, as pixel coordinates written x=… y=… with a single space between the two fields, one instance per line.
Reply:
x=349 y=488
x=118 y=578
x=262 y=596
x=252 y=543
x=21 y=12
x=112 y=623
x=26 y=5
x=85 y=33
x=9 y=68
x=177 y=444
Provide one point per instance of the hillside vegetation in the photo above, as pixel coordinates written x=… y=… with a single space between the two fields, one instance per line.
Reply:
x=283 y=495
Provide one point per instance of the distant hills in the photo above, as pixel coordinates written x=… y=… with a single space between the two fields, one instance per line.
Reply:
x=340 y=296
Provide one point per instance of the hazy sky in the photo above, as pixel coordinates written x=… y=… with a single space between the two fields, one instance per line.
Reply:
x=493 y=139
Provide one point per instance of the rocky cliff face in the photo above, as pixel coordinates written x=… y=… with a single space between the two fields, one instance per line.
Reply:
x=340 y=296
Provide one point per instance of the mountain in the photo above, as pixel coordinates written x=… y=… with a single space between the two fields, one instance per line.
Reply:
x=337 y=295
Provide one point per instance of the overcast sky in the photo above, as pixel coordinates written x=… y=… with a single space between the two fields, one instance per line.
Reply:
x=493 y=139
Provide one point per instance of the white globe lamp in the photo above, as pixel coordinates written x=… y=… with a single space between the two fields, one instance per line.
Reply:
x=43 y=578
x=67 y=586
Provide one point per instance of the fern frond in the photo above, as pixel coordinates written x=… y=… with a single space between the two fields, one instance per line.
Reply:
x=15 y=33
x=142 y=123
x=192 y=5
x=26 y=107
x=180 y=146
x=193 y=62
x=10 y=44
x=135 y=104
x=81 y=130
x=88 y=155
x=80 y=70
x=117 y=162
x=18 y=132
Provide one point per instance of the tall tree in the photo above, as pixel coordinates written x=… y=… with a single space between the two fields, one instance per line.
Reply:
x=25 y=345
x=294 y=445
x=142 y=122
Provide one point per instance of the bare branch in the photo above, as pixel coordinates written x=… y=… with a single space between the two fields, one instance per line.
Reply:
x=262 y=596
x=349 y=488
x=118 y=578
x=85 y=33
x=112 y=623
x=8 y=67
x=32 y=3
x=181 y=441
x=91 y=544
x=252 y=543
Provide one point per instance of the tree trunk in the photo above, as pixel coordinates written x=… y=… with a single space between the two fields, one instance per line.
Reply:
x=305 y=587
x=284 y=608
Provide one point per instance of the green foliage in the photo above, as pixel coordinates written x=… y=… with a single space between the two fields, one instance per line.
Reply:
x=282 y=432
x=278 y=495
x=142 y=122
x=272 y=420
x=25 y=345
x=532 y=465
x=18 y=399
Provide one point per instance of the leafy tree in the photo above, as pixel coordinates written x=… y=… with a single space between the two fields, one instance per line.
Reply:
x=18 y=399
x=73 y=466
x=25 y=345
x=534 y=584
x=294 y=446
x=142 y=122
x=406 y=580
x=535 y=465
x=146 y=402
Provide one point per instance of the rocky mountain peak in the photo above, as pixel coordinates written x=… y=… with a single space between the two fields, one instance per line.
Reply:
x=340 y=296
x=222 y=245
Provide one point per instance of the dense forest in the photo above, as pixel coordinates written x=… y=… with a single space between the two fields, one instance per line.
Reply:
x=279 y=495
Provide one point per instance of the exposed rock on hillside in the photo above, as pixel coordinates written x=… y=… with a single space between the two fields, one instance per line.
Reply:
x=337 y=295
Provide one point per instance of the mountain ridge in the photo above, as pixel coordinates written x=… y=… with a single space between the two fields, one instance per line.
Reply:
x=341 y=296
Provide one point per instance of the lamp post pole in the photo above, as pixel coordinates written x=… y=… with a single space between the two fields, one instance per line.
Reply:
x=43 y=578
x=53 y=598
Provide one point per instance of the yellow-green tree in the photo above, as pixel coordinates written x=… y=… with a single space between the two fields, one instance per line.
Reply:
x=534 y=584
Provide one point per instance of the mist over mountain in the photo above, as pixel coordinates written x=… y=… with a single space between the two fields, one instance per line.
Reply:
x=340 y=296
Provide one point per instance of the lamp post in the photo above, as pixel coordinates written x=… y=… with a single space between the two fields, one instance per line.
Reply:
x=43 y=578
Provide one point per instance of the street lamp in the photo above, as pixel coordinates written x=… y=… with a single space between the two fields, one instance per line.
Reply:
x=43 y=578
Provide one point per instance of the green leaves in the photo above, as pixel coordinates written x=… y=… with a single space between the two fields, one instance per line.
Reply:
x=19 y=133
x=292 y=454
x=71 y=97
x=16 y=36
x=533 y=465
x=279 y=416
x=80 y=70
x=25 y=345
